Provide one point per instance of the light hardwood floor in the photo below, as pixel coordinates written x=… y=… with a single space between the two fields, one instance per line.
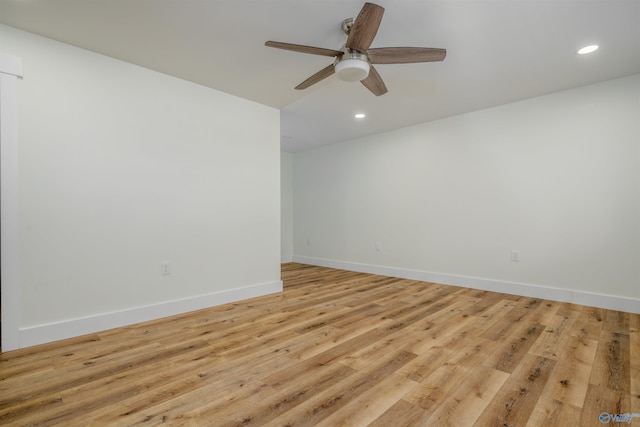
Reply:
x=339 y=348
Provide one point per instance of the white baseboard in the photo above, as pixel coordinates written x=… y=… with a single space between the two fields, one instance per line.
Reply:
x=285 y=259
x=41 y=334
x=611 y=302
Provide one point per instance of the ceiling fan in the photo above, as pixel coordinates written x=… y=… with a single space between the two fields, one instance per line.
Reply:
x=354 y=62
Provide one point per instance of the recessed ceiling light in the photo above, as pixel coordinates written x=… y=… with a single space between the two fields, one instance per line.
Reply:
x=360 y=116
x=588 y=49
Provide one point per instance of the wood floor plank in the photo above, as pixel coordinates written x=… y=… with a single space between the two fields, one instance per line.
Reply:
x=31 y=412
x=370 y=404
x=514 y=348
x=503 y=329
x=469 y=351
x=414 y=335
x=460 y=340
x=569 y=380
x=335 y=348
x=612 y=365
x=553 y=338
x=603 y=399
x=517 y=398
x=467 y=401
x=41 y=358
x=150 y=394
x=337 y=396
x=401 y=414
x=216 y=381
x=298 y=370
x=425 y=363
x=287 y=396
x=437 y=387
x=555 y=413
x=18 y=390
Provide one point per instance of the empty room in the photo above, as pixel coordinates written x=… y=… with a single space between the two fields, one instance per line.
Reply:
x=320 y=213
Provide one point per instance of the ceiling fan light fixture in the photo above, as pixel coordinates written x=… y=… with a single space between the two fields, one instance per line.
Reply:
x=352 y=69
x=354 y=66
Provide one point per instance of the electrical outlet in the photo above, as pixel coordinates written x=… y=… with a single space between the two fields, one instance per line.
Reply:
x=378 y=247
x=165 y=268
x=515 y=256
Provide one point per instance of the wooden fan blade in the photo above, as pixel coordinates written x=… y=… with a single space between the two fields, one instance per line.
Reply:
x=365 y=27
x=320 y=75
x=304 y=49
x=374 y=83
x=405 y=55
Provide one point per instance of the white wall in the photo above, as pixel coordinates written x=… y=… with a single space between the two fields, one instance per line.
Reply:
x=122 y=168
x=556 y=178
x=286 y=206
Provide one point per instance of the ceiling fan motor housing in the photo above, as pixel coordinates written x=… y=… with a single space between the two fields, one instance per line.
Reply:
x=353 y=66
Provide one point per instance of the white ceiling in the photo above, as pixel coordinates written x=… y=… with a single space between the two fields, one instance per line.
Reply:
x=498 y=51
